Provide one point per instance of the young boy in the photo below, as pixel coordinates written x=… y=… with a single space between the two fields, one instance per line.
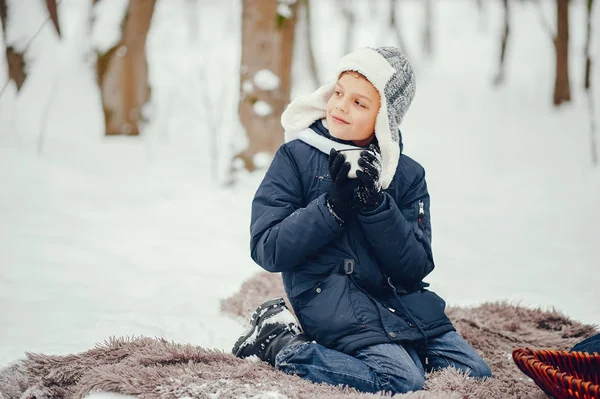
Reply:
x=353 y=252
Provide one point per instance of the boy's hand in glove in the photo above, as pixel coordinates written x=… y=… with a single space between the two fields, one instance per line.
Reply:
x=368 y=195
x=339 y=200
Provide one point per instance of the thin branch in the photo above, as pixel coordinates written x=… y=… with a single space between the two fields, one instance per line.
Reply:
x=49 y=18
x=588 y=58
x=502 y=67
x=4 y=87
x=427 y=36
x=52 y=7
x=588 y=86
x=593 y=129
x=545 y=23
x=43 y=124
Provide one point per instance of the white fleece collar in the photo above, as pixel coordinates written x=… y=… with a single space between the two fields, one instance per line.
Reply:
x=322 y=143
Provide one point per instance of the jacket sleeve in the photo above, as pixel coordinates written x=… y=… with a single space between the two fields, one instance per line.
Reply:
x=284 y=232
x=402 y=245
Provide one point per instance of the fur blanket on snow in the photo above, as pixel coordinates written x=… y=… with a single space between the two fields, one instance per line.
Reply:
x=155 y=368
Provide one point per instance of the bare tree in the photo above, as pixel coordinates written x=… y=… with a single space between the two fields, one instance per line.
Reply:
x=562 y=89
x=14 y=59
x=396 y=28
x=268 y=28
x=502 y=66
x=588 y=85
x=348 y=14
x=427 y=36
x=309 y=44
x=123 y=72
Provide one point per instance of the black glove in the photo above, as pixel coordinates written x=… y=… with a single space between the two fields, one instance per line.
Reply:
x=368 y=194
x=339 y=200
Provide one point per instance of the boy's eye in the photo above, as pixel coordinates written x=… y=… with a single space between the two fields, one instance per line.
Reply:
x=338 y=93
x=359 y=104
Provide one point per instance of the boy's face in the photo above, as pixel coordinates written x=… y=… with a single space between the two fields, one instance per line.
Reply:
x=353 y=108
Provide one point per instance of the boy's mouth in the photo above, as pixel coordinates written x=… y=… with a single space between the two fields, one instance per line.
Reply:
x=339 y=120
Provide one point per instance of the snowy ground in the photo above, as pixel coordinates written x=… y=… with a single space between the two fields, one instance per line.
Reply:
x=136 y=236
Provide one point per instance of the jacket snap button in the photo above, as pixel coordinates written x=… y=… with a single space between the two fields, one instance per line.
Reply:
x=392 y=335
x=318 y=290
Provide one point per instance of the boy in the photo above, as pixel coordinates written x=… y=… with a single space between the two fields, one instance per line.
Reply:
x=353 y=252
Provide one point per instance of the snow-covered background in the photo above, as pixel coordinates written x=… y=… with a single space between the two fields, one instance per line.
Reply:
x=139 y=236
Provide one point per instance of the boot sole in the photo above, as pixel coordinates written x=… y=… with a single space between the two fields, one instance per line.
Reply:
x=255 y=319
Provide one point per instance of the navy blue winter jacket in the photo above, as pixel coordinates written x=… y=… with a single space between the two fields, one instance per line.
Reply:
x=355 y=285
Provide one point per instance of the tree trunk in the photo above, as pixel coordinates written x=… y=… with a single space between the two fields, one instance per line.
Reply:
x=267 y=46
x=14 y=59
x=562 y=90
x=123 y=72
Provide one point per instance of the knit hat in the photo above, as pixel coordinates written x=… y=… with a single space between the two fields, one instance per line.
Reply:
x=392 y=75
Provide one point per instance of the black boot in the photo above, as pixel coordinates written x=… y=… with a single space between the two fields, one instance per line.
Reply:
x=272 y=326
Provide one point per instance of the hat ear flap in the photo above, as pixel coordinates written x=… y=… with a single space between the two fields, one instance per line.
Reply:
x=304 y=110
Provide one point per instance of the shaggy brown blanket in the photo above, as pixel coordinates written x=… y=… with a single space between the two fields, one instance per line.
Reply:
x=155 y=368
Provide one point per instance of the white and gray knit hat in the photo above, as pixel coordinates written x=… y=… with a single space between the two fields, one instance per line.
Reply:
x=391 y=73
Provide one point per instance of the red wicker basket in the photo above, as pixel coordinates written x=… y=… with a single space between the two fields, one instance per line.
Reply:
x=561 y=374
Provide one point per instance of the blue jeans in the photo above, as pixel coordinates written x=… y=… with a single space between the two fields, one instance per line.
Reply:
x=384 y=367
x=590 y=345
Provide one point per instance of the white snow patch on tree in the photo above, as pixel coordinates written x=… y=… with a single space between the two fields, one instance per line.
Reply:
x=108 y=17
x=284 y=8
x=262 y=160
x=238 y=164
x=266 y=80
x=262 y=108
x=121 y=51
x=247 y=86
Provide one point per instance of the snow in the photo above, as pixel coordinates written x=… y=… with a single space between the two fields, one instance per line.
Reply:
x=262 y=108
x=108 y=16
x=284 y=8
x=104 y=236
x=107 y=395
x=25 y=23
x=262 y=159
x=266 y=80
x=284 y=317
x=247 y=86
x=270 y=395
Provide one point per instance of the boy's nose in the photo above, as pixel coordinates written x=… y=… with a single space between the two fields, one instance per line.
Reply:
x=342 y=105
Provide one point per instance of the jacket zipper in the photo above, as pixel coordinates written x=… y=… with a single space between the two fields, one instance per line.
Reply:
x=421 y=214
